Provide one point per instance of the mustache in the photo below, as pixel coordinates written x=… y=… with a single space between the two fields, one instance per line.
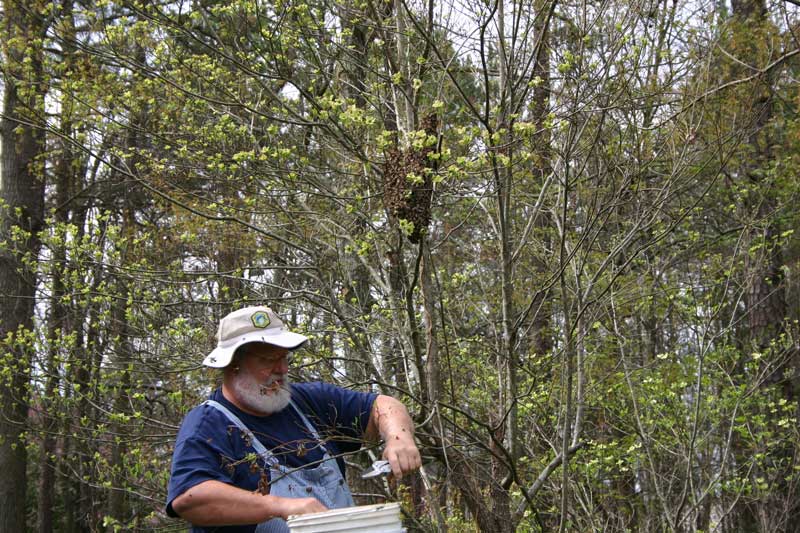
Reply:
x=273 y=385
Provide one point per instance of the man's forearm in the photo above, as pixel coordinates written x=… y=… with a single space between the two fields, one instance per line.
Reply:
x=390 y=420
x=213 y=503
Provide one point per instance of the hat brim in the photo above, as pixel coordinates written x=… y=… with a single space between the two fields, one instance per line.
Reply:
x=221 y=356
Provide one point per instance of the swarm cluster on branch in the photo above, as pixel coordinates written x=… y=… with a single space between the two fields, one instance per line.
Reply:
x=408 y=182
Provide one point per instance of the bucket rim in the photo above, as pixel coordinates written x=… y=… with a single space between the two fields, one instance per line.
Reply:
x=355 y=511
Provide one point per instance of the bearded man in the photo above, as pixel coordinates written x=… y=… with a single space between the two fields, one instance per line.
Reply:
x=261 y=448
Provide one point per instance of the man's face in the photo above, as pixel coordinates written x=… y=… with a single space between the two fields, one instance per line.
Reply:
x=262 y=381
x=264 y=361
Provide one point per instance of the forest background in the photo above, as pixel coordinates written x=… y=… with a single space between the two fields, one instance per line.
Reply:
x=562 y=232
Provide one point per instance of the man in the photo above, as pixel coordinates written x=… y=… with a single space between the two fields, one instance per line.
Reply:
x=262 y=449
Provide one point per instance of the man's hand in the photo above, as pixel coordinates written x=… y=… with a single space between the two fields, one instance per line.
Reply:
x=402 y=455
x=391 y=420
x=213 y=503
x=297 y=506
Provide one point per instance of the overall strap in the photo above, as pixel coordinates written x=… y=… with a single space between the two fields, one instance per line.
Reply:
x=262 y=451
x=310 y=428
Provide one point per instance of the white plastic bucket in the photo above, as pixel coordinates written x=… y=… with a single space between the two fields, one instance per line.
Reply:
x=380 y=518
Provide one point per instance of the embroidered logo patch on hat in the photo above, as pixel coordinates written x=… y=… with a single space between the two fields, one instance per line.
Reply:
x=260 y=319
x=250 y=324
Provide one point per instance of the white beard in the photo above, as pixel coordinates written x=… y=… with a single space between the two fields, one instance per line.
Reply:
x=260 y=397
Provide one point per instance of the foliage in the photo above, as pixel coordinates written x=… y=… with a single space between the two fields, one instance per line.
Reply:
x=563 y=234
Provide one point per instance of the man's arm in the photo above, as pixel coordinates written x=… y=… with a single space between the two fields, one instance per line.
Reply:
x=389 y=418
x=214 y=503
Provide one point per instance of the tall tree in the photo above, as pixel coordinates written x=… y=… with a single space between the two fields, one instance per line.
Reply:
x=754 y=41
x=21 y=219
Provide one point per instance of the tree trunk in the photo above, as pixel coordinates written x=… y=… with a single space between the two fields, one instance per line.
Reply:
x=121 y=359
x=776 y=509
x=84 y=368
x=57 y=326
x=22 y=198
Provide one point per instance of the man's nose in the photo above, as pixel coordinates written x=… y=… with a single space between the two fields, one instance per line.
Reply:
x=282 y=366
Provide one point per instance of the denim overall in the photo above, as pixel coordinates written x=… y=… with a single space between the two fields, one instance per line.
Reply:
x=323 y=482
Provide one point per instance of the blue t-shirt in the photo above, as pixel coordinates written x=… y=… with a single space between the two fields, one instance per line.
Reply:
x=211 y=447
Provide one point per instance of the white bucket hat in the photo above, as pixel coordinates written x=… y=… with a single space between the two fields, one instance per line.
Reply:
x=251 y=324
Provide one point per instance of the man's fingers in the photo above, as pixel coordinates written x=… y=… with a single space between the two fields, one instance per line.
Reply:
x=394 y=462
x=317 y=507
x=403 y=461
x=298 y=506
x=417 y=463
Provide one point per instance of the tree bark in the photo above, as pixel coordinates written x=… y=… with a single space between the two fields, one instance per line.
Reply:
x=57 y=326
x=22 y=198
x=765 y=305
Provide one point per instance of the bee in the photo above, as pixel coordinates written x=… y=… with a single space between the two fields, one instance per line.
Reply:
x=301 y=450
x=263 y=483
